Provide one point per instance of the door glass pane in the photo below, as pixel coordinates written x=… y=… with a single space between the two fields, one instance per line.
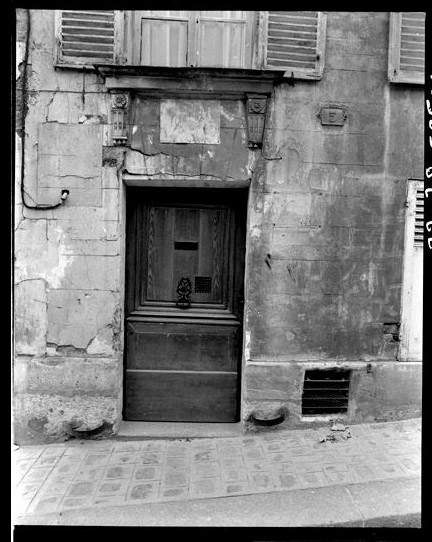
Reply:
x=221 y=44
x=163 y=43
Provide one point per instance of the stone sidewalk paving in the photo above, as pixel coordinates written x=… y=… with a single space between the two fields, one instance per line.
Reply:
x=83 y=474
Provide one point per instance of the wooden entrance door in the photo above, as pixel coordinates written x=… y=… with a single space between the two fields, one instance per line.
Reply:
x=184 y=308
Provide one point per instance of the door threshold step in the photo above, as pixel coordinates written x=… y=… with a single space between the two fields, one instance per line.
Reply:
x=176 y=430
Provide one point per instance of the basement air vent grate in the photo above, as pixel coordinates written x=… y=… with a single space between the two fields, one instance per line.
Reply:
x=325 y=392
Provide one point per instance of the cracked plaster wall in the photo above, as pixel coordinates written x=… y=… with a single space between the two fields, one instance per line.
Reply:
x=68 y=261
x=327 y=226
x=231 y=159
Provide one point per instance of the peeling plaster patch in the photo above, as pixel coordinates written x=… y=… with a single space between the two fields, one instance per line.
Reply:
x=30 y=317
x=289 y=336
x=40 y=256
x=247 y=345
x=56 y=274
x=92 y=119
x=250 y=166
x=227 y=115
x=20 y=50
x=255 y=232
x=372 y=278
x=102 y=343
x=244 y=137
x=77 y=317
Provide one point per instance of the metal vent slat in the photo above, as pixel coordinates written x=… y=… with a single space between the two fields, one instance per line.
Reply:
x=325 y=391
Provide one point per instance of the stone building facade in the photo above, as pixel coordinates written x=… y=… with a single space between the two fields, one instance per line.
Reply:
x=295 y=172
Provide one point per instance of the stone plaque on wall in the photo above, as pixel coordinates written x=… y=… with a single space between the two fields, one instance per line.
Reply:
x=190 y=121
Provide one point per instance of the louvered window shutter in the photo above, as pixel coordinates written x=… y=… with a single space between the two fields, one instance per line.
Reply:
x=407 y=47
x=86 y=37
x=295 y=42
x=419 y=217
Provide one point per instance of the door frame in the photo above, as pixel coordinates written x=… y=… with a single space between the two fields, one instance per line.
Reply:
x=144 y=183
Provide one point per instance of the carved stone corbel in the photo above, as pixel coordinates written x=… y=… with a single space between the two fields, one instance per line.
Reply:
x=119 y=113
x=256 y=108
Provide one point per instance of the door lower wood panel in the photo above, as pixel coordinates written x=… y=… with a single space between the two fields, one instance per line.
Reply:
x=184 y=396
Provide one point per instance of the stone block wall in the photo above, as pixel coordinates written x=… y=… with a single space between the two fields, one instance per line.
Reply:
x=324 y=243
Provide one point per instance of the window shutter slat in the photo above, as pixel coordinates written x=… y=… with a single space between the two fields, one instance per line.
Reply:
x=87 y=36
x=407 y=47
x=295 y=42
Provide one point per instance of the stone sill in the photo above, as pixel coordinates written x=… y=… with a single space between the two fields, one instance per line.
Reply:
x=208 y=82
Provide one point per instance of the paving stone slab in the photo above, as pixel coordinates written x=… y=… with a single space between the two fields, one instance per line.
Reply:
x=175 y=477
x=232 y=461
x=143 y=492
x=69 y=503
x=151 y=458
x=125 y=457
x=86 y=474
x=102 y=500
x=28 y=490
x=130 y=446
x=37 y=474
x=81 y=489
x=118 y=471
x=205 y=469
x=45 y=505
x=29 y=452
x=173 y=493
x=154 y=446
x=149 y=472
x=206 y=487
x=113 y=487
x=53 y=451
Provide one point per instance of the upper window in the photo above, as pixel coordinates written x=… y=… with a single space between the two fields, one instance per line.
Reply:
x=290 y=41
x=219 y=39
x=407 y=47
